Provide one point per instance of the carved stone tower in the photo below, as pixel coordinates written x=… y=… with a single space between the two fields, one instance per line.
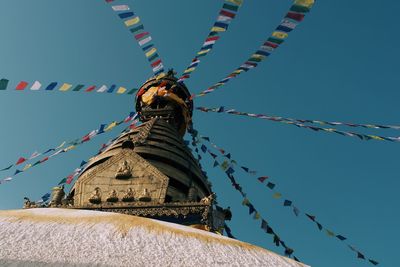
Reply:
x=149 y=171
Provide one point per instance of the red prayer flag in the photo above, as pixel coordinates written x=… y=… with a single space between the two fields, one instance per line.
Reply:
x=21 y=85
x=155 y=63
x=90 y=88
x=271 y=44
x=262 y=178
x=214 y=38
x=20 y=160
x=44 y=159
x=69 y=178
x=141 y=35
x=295 y=16
x=227 y=13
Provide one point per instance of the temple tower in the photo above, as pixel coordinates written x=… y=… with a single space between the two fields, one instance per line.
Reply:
x=149 y=171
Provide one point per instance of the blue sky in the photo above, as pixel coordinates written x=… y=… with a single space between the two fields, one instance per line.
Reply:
x=340 y=64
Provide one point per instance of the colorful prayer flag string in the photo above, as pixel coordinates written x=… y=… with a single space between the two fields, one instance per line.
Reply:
x=229 y=169
x=226 y=14
x=295 y=15
x=143 y=38
x=60 y=149
x=64 y=87
x=299 y=124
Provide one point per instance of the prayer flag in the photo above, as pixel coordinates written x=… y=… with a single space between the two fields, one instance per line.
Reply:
x=151 y=52
x=51 y=86
x=102 y=89
x=296 y=211
x=230 y=7
x=262 y=178
x=126 y=15
x=236 y=2
x=17 y=171
x=120 y=8
x=83 y=163
x=133 y=90
x=295 y=16
x=141 y=35
x=8 y=179
x=305 y=3
x=145 y=41
x=121 y=90
x=65 y=87
x=3 y=84
x=111 y=89
x=277 y=195
x=137 y=28
x=21 y=85
x=311 y=217
x=341 y=238
x=360 y=256
x=270 y=185
x=264 y=225
x=133 y=21
x=109 y=127
x=27 y=166
x=373 y=262
x=280 y=35
x=287 y=203
x=215 y=164
x=20 y=160
x=36 y=86
x=78 y=87
x=62 y=181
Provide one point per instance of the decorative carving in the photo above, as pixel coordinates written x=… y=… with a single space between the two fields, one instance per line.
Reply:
x=145 y=196
x=95 y=198
x=124 y=171
x=208 y=200
x=112 y=197
x=129 y=196
x=28 y=203
x=58 y=195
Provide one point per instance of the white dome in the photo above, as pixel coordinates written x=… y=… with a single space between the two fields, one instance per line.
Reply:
x=66 y=237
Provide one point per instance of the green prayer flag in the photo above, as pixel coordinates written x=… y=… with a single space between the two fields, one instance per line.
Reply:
x=132 y=91
x=275 y=40
x=3 y=84
x=225 y=165
x=78 y=87
x=63 y=181
x=301 y=9
x=230 y=7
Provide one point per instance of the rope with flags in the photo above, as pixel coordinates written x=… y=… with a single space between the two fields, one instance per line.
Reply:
x=228 y=166
x=300 y=123
x=65 y=87
x=226 y=14
x=61 y=148
x=246 y=202
x=295 y=15
x=143 y=38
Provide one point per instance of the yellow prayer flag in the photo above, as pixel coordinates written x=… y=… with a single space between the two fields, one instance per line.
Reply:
x=330 y=233
x=69 y=148
x=258 y=56
x=189 y=70
x=121 y=90
x=109 y=127
x=237 y=71
x=131 y=22
x=305 y=3
x=245 y=201
x=376 y=137
x=27 y=166
x=280 y=35
x=237 y=2
x=65 y=87
x=203 y=51
x=218 y=29
x=277 y=195
x=257 y=216
x=151 y=52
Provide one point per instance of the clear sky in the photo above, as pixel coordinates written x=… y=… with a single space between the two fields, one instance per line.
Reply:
x=340 y=64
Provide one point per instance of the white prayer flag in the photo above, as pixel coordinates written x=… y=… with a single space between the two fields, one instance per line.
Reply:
x=36 y=85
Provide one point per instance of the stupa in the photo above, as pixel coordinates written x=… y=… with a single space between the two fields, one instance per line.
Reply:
x=133 y=203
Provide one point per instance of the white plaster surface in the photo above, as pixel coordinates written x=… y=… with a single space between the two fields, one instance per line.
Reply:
x=63 y=237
